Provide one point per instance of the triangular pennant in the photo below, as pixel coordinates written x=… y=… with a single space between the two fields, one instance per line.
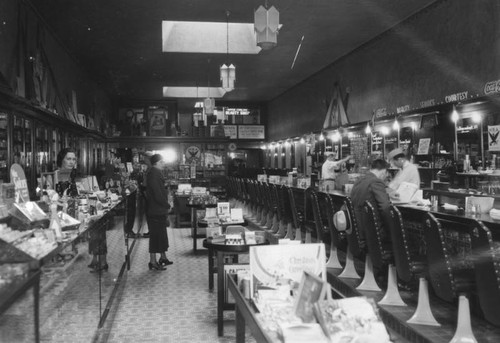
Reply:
x=336 y=115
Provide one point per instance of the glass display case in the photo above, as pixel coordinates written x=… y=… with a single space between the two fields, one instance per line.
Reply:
x=4 y=147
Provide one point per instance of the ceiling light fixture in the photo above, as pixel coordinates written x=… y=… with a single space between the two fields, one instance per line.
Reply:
x=454 y=114
x=266 y=25
x=227 y=71
x=208 y=102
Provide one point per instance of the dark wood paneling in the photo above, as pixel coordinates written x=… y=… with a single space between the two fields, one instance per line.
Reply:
x=450 y=48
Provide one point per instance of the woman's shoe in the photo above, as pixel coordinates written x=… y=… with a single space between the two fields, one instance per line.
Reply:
x=92 y=265
x=165 y=261
x=98 y=269
x=155 y=266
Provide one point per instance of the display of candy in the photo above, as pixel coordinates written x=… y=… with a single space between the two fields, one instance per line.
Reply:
x=202 y=199
x=37 y=247
x=8 y=235
x=10 y=272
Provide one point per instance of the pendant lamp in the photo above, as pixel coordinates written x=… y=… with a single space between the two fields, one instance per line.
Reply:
x=266 y=24
x=227 y=71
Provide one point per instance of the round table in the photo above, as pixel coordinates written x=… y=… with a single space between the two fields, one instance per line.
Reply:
x=194 y=221
x=222 y=249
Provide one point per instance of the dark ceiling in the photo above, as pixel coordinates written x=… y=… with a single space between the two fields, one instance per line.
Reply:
x=120 y=43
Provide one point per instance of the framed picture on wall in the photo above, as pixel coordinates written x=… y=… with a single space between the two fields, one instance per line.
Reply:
x=148 y=118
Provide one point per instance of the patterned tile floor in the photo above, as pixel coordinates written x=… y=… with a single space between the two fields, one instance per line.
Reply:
x=168 y=306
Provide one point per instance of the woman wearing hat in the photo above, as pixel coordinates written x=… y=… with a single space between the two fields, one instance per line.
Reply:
x=408 y=172
x=156 y=214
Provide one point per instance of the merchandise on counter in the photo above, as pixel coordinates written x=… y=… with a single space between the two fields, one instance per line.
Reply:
x=38 y=246
x=351 y=319
x=9 y=235
x=10 y=272
x=28 y=212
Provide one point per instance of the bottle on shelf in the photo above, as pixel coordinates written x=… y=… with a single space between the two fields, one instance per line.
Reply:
x=466 y=164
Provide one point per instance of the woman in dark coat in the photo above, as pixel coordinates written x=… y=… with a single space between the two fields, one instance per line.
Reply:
x=156 y=214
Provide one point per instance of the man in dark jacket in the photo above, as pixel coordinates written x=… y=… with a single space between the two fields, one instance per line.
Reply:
x=371 y=187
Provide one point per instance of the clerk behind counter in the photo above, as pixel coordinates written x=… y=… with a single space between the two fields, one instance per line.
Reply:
x=64 y=176
x=328 y=174
x=408 y=172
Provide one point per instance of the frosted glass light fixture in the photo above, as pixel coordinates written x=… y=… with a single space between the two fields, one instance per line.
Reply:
x=454 y=114
x=228 y=76
x=266 y=25
x=227 y=71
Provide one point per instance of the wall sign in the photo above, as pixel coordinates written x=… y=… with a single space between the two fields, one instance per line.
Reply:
x=380 y=112
x=402 y=109
x=193 y=152
x=230 y=131
x=376 y=142
x=18 y=178
x=427 y=103
x=423 y=146
x=456 y=97
x=492 y=87
x=493 y=141
x=251 y=132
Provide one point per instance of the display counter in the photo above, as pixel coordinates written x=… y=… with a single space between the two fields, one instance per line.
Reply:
x=62 y=281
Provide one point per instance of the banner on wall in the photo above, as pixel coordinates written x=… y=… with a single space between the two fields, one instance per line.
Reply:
x=493 y=141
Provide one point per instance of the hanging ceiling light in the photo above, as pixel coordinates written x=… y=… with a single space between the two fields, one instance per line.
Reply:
x=266 y=25
x=395 y=126
x=227 y=71
x=208 y=102
x=454 y=114
x=368 y=129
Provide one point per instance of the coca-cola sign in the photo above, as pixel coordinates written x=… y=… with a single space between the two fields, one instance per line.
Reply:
x=492 y=87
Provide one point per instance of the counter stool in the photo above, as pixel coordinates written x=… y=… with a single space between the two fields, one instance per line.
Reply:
x=336 y=236
x=286 y=213
x=296 y=216
x=310 y=224
x=449 y=280
x=376 y=253
x=486 y=257
x=353 y=243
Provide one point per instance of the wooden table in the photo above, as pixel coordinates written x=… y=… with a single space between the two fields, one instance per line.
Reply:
x=222 y=249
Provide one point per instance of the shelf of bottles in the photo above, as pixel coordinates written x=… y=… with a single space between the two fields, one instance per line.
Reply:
x=42 y=147
x=22 y=150
x=55 y=146
x=97 y=157
x=4 y=152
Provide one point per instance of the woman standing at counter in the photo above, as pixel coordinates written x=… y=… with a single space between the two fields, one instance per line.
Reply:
x=328 y=168
x=156 y=214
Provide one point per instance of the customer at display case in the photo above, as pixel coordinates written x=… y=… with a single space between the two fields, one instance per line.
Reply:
x=371 y=187
x=156 y=214
x=408 y=172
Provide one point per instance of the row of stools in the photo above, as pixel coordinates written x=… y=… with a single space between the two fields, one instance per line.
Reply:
x=383 y=241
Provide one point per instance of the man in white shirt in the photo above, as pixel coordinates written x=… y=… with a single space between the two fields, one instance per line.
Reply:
x=408 y=172
x=328 y=174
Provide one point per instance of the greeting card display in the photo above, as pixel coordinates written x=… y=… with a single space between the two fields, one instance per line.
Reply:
x=275 y=265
